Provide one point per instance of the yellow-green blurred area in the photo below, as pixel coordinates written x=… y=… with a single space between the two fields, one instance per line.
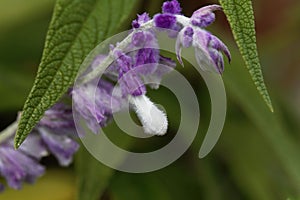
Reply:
x=56 y=184
x=257 y=156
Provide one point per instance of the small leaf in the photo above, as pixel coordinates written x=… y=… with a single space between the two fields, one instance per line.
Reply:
x=241 y=19
x=77 y=26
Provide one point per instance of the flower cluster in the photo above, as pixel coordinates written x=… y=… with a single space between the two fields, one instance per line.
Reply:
x=130 y=65
x=136 y=61
x=54 y=134
x=208 y=48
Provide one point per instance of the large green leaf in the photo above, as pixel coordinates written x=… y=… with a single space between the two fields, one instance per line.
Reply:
x=76 y=28
x=241 y=19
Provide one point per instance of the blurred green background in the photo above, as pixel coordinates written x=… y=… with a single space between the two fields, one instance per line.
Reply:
x=258 y=154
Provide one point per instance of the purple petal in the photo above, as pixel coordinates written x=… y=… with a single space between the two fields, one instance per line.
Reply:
x=123 y=61
x=167 y=21
x=106 y=101
x=83 y=101
x=62 y=146
x=204 y=16
x=34 y=146
x=95 y=103
x=149 y=54
x=203 y=60
x=187 y=38
x=143 y=18
x=59 y=116
x=146 y=60
x=17 y=167
x=139 y=39
x=172 y=7
x=217 y=44
x=131 y=84
x=217 y=57
x=200 y=42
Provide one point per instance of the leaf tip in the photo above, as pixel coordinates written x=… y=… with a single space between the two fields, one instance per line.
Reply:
x=18 y=140
x=271 y=107
x=268 y=102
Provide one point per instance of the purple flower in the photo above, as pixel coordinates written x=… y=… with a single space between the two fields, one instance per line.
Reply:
x=143 y=18
x=146 y=58
x=17 y=167
x=172 y=7
x=59 y=116
x=131 y=69
x=97 y=112
x=208 y=50
x=138 y=39
x=57 y=134
x=54 y=134
x=131 y=84
x=129 y=81
x=124 y=81
x=139 y=63
x=187 y=38
x=62 y=147
x=108 y=99
x=167 y=21
x=33 y=146
x=83 y=104
x=154 y=120
x=204 y=16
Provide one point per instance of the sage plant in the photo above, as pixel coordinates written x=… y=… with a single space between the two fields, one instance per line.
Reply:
x=128 y=74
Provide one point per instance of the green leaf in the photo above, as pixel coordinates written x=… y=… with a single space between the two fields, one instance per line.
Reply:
x=241 y=19
x=77 y=26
